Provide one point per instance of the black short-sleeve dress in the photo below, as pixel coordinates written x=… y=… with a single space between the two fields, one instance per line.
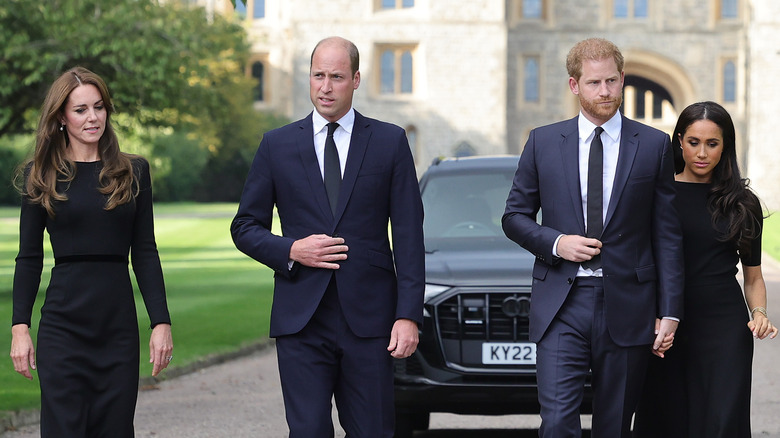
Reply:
x=702 y=387
x=88 y=346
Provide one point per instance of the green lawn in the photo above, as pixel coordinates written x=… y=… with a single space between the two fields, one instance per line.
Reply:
x=219 y=298
x=771 y=239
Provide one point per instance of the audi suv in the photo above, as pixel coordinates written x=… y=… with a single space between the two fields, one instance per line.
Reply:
x=474 y=356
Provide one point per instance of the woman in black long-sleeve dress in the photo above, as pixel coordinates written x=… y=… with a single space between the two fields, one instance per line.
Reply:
x=701 y=389
x=96 y=204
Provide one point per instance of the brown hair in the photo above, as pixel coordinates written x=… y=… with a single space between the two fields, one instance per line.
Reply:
x=592 y=49
x=50 y=163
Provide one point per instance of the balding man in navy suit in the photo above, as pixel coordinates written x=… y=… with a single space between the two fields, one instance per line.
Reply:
x=345 y=304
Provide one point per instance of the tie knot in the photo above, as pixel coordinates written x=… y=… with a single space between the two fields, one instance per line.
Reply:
x=598 y=131
x=332 y=126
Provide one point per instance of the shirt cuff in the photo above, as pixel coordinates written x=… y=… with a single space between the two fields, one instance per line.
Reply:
x=555 y=246
x=672 y=318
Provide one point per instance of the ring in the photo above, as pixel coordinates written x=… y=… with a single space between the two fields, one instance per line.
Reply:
x=170 y=358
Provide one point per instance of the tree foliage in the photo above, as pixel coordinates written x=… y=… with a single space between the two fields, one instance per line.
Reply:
x=155 y=56
x=176 y=77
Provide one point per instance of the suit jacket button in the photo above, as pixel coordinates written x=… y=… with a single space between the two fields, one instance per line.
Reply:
x=569 y=281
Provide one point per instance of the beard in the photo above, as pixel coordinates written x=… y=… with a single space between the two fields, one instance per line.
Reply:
x=597 y=109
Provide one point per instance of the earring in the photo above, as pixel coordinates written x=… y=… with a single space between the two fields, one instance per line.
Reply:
x=62 y=128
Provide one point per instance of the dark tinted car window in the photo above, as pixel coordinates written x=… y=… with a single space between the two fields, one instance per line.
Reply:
x=462 y=205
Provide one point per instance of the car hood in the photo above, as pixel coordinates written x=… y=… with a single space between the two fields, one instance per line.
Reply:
x=477 y=262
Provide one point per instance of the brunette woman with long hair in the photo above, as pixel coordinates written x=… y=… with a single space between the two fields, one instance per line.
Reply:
x=702 y=387
x=96 y=204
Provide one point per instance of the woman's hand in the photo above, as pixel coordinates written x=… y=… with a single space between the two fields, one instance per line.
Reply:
x=160 y=347
x=22 y=350
x=762 y=327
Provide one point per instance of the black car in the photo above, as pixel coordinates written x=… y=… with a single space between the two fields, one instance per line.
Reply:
x=474 y=355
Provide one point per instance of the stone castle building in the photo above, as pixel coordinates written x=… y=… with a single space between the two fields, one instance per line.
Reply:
x=471 y=77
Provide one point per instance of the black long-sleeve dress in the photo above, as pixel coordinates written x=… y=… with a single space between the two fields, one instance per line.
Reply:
x=702 y=388
x=88 y=346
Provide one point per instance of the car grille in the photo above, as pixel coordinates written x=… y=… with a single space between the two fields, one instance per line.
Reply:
x=409 y=366
x=481 y=316
x=466 y=319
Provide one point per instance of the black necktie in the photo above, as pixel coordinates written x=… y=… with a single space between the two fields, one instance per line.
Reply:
x=332 y=168
x=595 y=193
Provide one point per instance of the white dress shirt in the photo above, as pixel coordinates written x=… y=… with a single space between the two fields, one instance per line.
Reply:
x=610 y=139
x=341 y=136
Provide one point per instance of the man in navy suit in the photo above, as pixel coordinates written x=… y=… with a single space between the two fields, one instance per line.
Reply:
x=601 y=296
x=344 y=303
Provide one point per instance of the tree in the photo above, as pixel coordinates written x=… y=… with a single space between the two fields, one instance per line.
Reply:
x=157 y=58
x=176 y=77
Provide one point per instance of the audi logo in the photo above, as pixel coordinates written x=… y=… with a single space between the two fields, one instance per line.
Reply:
x=516 y=306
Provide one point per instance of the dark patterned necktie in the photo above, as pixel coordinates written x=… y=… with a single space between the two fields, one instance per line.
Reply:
x=595 y=194
x=332 y=168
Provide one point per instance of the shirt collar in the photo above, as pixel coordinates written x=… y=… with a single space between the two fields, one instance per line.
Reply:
x=346 y=122
x=612 y=126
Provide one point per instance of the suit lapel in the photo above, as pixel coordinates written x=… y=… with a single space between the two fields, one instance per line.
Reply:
x=305 y=145
x=629 y=143
x=361 y=133
x=570 y=145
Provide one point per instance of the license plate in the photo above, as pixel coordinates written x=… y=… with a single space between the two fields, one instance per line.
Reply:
x=509 y=353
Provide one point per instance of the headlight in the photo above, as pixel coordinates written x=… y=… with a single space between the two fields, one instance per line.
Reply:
x=432 y=290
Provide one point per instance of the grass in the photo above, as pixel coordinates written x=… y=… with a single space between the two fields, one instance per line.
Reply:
x=770 y=242
x=219 y=298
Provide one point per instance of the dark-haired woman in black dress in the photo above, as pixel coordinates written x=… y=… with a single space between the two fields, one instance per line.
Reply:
x=96 y=204
x=701 y=389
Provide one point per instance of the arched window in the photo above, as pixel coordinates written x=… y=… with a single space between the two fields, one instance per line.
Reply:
x=645 y=99
x=258 y=74
x=729 y=82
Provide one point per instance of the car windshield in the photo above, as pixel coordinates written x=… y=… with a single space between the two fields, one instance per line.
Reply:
x=461 y=208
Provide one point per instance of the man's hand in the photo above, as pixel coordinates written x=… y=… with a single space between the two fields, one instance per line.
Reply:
x=403 y=338
x=319 y=251
x=578 y=249
x=664 y=336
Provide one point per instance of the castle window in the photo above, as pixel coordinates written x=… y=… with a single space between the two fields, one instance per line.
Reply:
x=258 y=74
x=729 y=82
x=531 y=80
x=396 y=67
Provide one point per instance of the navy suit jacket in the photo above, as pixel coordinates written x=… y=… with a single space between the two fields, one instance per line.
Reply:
x=376 y=285
x=641 y=255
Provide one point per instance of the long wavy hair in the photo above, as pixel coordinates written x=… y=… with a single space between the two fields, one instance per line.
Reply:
x=50 y=163
x=731 y=201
